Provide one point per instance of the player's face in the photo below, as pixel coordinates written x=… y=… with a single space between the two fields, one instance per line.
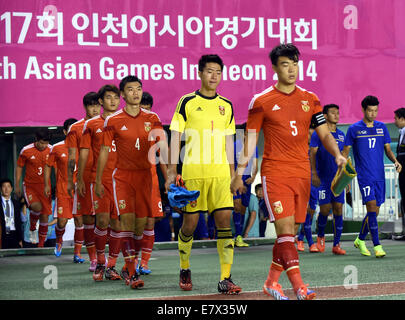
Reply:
x=110 y=101
x=210 y=76
x=132 y=93
x=92 y=110
x=399 y=122
x=41 y=144
x=332 y=116
x=370 y=113
x=146 y=106
x=287 y=70
x=6 y=189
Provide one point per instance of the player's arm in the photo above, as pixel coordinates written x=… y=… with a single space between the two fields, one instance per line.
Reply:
x=346 y=151
x=101 y=162
x=390 y=155
x=254 y=171
x=71 y=169
x=18 y=176
x=329 y=142
x=316 y=182
x=47 y=179
x=174 y=154
x=83 y=156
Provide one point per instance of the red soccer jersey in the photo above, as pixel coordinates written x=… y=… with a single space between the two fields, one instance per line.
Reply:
x=133 y=138
x=34 y=162
x=93 y=139
x=58 y=158
x=285 y=120
x=73 y=141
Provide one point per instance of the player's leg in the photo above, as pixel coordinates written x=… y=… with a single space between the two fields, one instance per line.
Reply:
x=337 y=209
x=114 y=247
x=100 y=240
x=322 y=221
x=78 y=238
x=313 y=248
x=63 y=212
x=46 y=211
x=34 y=205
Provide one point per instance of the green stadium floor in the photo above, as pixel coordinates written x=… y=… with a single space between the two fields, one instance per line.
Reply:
x=24 y=276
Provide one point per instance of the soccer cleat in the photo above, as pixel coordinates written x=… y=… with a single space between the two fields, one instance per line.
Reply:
x=227 y=286
x=320 y=243
x=300 y=246
x=361 y=245
x=112 y=274
x=304 y=293
x=125 y=274
x=93 y=265
x=99 y=272
x=240 y=243
x=78 y=259
x=144 y=270
x=313 y=248
x=275 y=291
x=135 y=282
x=379 y=252
x=185 y=280
x=338 y=250
x=58 y=250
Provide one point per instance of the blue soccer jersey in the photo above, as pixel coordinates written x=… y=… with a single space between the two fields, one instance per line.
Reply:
x=326 y=166
x=368 y=149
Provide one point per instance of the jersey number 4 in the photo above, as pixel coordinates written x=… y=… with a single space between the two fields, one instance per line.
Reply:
x=137 y=145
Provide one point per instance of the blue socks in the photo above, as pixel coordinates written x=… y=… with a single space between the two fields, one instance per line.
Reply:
x=364 y=228
x=338 y=228
x=373 y=227
x=237 y=220
x=308 y=229
x=322 y=221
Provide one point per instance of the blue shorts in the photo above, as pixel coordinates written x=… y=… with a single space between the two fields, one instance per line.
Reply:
x=245 y=196
x=326 y=196
x=372 y=190
x=313 y=198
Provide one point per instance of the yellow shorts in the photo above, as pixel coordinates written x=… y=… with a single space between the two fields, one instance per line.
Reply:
x=215 y=194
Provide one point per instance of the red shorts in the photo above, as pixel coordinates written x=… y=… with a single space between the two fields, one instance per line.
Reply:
x=156 y=201
x=83 y=206
x=132 y=192
x=106 y=203
x=35 y=193
x=286 y=197
x=63 y=207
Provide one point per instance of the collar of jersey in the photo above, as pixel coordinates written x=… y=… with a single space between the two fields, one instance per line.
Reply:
x=286 y=94
x=205 y=97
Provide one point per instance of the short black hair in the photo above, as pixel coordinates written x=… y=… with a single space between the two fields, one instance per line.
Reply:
x=258 y=186
x=284 y=50
x=5 y=180
x=108 y=87
x=400 y=113
x=43 y=134
x=369 y=101
x=209 y=58
x=147 y=99
x=68 y=123
x=90 y=99
x=326 y=107
x=128 y=79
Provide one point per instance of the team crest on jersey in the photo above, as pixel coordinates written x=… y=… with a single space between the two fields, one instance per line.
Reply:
x=60 y=210
x=305 y=106
x=341 y=138
x=122 y=204
x=95 y=204
x=380 y=131
x=193 y=203
x=147 y=126
x=278 y=207
x=222 y=110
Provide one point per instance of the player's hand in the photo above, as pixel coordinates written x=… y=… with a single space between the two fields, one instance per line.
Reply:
x=99 y=190
x=316 y=182
x=70 y=188
x=237 y=185
x=171 y=178
x=340 y=160
x=47 y=191
x=250 y=180
x=398 y=166
x=348 y=188
x=17 y=191
x=81 y=187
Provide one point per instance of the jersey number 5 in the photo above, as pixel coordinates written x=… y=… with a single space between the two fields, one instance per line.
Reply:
x=293 y=125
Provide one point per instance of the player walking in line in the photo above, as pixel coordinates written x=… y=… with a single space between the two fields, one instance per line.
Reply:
x=207 y=121
x=82 y=206
x=148 y=238
x=58 y=159
x=323 y=171
x=104 y=208
x=285 y=112
x=369 y=139
x=33 y=157
x=134 y=130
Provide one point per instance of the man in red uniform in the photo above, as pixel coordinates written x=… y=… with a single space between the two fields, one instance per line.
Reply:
x=83 y=206
x=58 y=158
x=285 y=112
x=92 y=139
x=133 y=130
x=33 y=157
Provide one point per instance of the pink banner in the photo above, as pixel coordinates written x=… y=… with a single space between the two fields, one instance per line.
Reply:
x=53 y=52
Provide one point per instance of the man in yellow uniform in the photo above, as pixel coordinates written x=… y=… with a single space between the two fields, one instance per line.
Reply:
x=206 y=119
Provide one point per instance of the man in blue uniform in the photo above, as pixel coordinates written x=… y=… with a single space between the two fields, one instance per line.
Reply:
x=369 y=139
x=323 y=171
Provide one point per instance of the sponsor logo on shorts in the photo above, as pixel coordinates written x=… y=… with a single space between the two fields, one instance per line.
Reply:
x=122 y=204
x=193 y=203
x=278 y=207
x=222 y=110
x=305 y=106
x=78 y=206
x=60 y=210
x=95 y=204
x=30 y=197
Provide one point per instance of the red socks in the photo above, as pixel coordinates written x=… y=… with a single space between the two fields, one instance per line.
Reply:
x=147 y=245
